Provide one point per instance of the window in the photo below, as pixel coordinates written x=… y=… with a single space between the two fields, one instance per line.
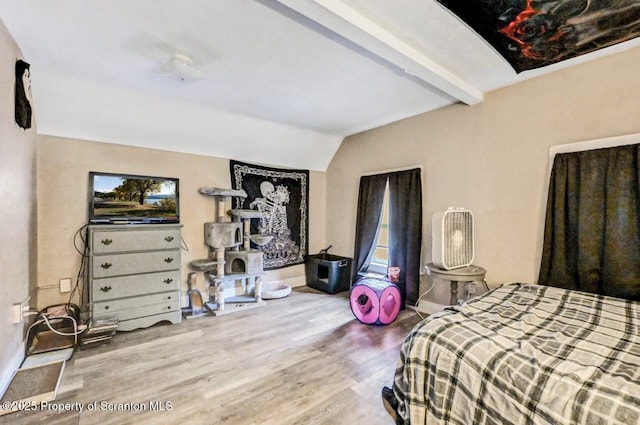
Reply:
x=380 y=258
x=592 y=225
x=389 y=228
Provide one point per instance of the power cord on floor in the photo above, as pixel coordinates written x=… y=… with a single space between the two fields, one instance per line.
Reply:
x=60 y=312
x=484 y=283
x=420 y=297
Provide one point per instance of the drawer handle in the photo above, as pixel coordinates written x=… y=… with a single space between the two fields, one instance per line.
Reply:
x=169 y=308
x=168 y=280
x=168 y=260
x=106 y=307
x=106 y=265
x=169 y=297
x=105 y=288
x=106 y=241
x=168 y=238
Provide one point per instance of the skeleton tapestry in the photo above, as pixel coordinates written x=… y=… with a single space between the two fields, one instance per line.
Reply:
x=282 y=195
x=534 y=33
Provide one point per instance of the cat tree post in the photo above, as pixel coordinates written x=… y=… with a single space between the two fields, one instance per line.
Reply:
x=219 y=279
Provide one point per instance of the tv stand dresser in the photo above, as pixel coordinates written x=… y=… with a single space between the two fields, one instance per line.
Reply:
x=134 y=273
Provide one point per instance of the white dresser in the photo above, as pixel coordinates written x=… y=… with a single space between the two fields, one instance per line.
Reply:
x=134 y=273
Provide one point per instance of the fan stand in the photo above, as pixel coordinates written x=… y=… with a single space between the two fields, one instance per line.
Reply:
x=464 y=274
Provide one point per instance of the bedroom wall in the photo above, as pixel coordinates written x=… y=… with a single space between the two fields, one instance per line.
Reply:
x=63 y=167
x=492 y=158
x=17 y=227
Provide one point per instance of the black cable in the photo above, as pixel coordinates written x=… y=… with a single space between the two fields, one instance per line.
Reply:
x=83 y=239
x=84 y=253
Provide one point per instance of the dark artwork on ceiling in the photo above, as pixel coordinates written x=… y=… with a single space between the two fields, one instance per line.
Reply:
x=283 y=196
x=535 y=33
x=23 y=94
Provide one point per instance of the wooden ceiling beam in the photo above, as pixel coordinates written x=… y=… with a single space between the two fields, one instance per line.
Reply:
x=348 y=23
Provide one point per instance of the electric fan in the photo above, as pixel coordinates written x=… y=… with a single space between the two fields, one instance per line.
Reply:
x=452 y=238
x=183 y=59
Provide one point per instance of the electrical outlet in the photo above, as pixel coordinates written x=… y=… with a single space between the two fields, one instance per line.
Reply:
x=16 y=313
x=65 y=285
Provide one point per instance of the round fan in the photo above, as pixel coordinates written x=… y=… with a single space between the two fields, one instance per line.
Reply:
x=184 y=59
x=180 y=66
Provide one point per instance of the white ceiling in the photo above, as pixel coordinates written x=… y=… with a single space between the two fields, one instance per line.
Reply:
x=284 y=81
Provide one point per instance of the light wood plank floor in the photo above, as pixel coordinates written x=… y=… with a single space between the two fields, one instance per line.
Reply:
x=303 y=359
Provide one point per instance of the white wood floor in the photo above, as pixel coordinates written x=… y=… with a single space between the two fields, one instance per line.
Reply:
x=303 y=359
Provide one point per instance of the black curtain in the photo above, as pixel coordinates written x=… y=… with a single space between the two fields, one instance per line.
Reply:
x=405 y=226
x=405 y=230
x=370 y=198
x=592 y=228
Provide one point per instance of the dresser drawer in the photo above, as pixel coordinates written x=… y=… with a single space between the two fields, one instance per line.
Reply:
x=134 y=285
x=139 y=262
x=129 y=308
x=113 y=241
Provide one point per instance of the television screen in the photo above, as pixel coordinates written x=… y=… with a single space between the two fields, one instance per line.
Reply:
x=120 y=198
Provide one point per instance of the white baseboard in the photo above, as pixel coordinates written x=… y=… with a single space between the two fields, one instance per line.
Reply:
x=9 y=371
x=294 y=282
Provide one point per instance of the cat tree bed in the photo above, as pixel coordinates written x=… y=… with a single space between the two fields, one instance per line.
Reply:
x=274 y=290
x=203 y=265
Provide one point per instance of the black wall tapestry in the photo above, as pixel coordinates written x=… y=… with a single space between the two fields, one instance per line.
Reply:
x=534 y=33
x=283 y=195
x=23 y=94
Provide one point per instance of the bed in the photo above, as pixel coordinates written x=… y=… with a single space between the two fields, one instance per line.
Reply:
x=523 y=354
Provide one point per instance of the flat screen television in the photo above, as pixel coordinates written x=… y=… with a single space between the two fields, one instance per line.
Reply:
x=133 y=199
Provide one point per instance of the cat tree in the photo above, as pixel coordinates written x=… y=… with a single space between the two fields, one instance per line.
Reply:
x=231 y=265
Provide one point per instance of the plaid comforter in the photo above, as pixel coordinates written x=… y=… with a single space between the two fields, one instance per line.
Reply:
x=524 y=354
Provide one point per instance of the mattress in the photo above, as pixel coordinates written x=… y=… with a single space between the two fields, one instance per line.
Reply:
x=524 y=354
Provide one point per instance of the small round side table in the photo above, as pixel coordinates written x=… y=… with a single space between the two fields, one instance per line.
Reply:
x=463 y=274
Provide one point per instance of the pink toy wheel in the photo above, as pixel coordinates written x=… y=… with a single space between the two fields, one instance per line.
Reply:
x=365 y=304
x=389 y=304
